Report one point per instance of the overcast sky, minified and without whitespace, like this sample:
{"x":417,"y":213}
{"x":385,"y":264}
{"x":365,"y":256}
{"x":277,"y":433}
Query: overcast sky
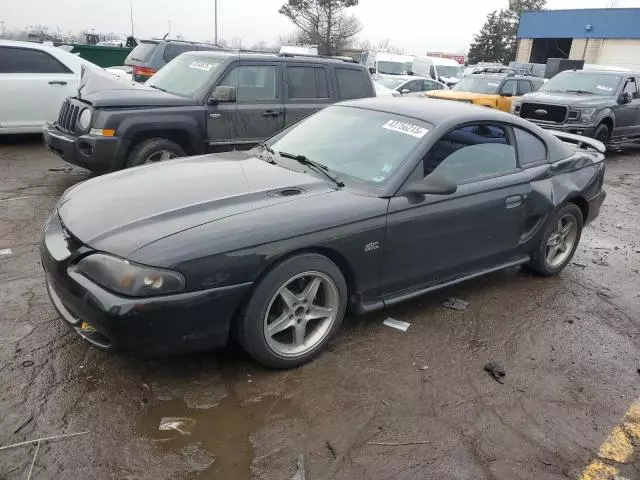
{"x":416,"y":26}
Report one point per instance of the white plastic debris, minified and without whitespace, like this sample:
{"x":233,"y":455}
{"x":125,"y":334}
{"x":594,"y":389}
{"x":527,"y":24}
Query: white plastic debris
{"x":455,"y":303}
{"x":397,"y":324}
{"x":184,"y":425}
{"x":5,"y":251}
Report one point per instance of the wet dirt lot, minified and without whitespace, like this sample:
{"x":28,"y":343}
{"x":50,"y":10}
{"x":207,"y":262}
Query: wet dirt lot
{"x":379,"y":404}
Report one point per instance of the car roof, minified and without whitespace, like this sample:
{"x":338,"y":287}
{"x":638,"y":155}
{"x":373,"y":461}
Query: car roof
{"x":18,"y":43}
{"x":616,"y":73}
{"x":273,"y":57}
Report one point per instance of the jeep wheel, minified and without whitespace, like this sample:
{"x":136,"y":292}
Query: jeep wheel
{"x":602,"y":133}
{"x":154,"y":150}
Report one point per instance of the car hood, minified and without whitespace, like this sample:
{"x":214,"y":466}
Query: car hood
{"x":459,"y":95}
{"x":103,"y":89}
{"x":124,"y":211}
{"x":576,"y":99}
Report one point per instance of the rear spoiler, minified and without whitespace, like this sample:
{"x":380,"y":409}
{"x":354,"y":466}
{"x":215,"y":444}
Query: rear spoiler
{"x":579,"y":140}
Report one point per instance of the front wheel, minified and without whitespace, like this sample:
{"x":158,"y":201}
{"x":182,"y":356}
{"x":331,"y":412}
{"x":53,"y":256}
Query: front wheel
{"x":558,"y":241}
{"x":154,"y":150}
{"x":602,"y":133}
{"x":294,"y":311}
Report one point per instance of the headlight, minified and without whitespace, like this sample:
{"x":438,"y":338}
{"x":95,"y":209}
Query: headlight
{"x":84,"y":119}
{"x":127,"y":278}
{"x":586,"y":113}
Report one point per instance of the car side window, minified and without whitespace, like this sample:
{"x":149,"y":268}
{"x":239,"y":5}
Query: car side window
{"x":27,"y":60}
{"x":428,"y":85}
{"x":413,"y":86}
{"x":306,"y":82}
{"x":509,"y":87}
{"x":470,"y":153}
{"x":631,"y":87}
{"x":531,"y":149}
{"x":172,"y":50}
{"x":350,"y":83}
{"x":524,"y":86}
{"x":253,"y":82}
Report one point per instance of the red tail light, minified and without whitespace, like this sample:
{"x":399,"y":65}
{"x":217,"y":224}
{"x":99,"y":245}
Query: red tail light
{"x":143,"y":71}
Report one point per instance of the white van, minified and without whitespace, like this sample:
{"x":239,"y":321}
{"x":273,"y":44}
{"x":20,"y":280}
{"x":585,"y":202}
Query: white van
{"x":380,"y":63}
{"x":444,"y":70}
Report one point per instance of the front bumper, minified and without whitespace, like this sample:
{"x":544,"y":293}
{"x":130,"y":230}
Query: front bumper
{"x":98,"y":154}
{"x":167,"y":324}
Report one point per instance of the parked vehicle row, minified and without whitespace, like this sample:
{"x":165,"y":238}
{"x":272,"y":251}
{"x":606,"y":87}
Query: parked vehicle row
{"x":199,"y":102}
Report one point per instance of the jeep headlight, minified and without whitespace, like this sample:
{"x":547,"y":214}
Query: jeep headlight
{"x":84,"y":119}
{"x":128,"y":278}
{"x":586,"y":114}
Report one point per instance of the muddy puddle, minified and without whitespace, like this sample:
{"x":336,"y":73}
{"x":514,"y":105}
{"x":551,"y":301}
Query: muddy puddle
{"x":219,"y":445}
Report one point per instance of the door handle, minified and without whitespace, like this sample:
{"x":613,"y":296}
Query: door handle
{"x":270,"y":113}
{"x":514,"y":201}
{"x":58,"y":82}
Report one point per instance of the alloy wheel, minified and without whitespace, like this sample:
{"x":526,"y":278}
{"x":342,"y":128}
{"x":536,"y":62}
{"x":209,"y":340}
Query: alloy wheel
{"x":561,"y":240}
{"x":301,"y":314}
{"x":159,"y":156}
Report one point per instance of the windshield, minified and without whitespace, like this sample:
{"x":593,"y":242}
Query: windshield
{"x":449,"y":71}
{"x":391,"y":82}
{"x":141,"y":53}
{"x":592,"y":83}
{"x":392,"y":68}
{"x":478,"y":85}
{"x":357,"y":144}
{"x":185,"y":75}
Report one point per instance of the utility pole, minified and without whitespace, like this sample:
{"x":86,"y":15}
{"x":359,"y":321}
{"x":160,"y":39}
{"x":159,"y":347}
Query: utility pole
{"x":131,"y":15}
{"x":3,"y":30}
{"x":169,"y":34}
{"x":215,"y":11}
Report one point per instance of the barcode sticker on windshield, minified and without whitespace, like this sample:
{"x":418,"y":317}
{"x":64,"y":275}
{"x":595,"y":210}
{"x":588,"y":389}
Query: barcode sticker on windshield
{"x":406,"y":128}
{"x":201,"y":66}
{"x":493,"y":84}
{"x":602,"y":87}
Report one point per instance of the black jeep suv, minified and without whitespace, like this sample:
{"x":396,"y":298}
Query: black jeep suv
{"x":604,"y":105}
{"x":199,"y":102}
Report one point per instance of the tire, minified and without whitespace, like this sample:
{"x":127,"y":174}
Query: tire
{"x":602,"y":133}
{"x":152,"y":150}
{"x":542,"y":262}
{"x":267,"y":310}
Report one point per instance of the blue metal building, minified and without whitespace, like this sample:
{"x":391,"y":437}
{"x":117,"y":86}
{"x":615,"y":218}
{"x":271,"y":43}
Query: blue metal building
{"x":608,"y":37}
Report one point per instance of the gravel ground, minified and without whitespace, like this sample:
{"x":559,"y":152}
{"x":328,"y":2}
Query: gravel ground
{"x":379,"y":404}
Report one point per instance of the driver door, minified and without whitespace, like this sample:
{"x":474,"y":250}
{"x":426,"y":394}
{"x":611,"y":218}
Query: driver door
{"x":628,"y":114}
{"x":258,"y":110}
{"x":432,"y":238}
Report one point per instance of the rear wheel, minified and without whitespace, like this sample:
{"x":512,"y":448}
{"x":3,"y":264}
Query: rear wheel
{"x":558,"y":242}
{"x":294,"y":311}
{"x":602,"y":133}
{"x":154,"y":150}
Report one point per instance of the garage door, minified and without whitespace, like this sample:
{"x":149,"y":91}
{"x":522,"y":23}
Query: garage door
{"x":620,"y":53}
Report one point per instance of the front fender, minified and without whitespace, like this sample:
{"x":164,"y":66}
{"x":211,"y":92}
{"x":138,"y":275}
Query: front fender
{"x":606,"y":114}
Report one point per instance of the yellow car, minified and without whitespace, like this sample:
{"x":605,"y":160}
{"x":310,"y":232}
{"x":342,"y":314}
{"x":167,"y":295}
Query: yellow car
{"x":488,"y":89}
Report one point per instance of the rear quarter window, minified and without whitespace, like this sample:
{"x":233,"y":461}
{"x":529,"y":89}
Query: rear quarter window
{"x":142,"y":52}
{"x":531,"y":149}
{"x":351,"y":83}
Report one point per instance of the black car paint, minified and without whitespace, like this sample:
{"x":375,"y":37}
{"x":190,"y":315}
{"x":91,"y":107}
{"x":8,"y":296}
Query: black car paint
{"x":138,"y":112}
{"x":225,"y":231}
{"x":622,"y":119}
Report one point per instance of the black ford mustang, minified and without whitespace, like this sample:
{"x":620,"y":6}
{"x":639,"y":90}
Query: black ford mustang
{"x":362,"y":205}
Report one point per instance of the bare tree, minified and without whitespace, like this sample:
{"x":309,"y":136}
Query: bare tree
{"x":324,"y":23}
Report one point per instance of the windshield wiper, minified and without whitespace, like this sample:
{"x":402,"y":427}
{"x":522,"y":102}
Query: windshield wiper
{"x":580,"y":91}
{"x":318,"y":167}
{"x":158,"y":88}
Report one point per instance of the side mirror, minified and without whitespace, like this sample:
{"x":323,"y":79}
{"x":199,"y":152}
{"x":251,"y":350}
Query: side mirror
{"x":404,"y":91}
{"x":432,"y":184}
{"x":372,"y":70}
{"x":625,"y":98}
{"x":222,"y":94}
